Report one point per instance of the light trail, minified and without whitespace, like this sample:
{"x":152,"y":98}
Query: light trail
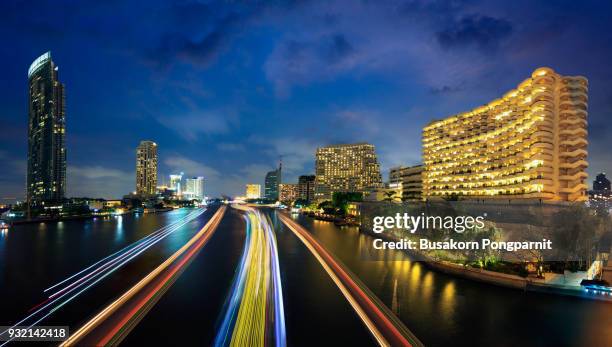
{"x":126,"y":248}
{"x":114,"y":322}
{"x":387,"y":329}
{"x":254,"y":314}
{"x":104,"y":269}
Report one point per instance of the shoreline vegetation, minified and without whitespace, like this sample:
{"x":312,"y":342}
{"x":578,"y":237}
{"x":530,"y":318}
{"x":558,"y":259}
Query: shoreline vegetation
{"x":576,"y":231}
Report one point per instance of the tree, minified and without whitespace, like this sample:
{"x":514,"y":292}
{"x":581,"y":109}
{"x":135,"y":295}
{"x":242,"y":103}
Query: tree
{"x":390,"y":195}
{"x":300,"y":203}
{"x":574,"y":234}
{"x":340,"y":200}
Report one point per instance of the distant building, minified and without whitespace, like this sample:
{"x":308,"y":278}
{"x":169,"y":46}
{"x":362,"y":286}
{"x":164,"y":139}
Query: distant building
{"x":529,"y":144}
{"x":194,"y":187}
{"x":601,"y":183}
{"x":146,"y":168}
{"x":46,"y":171}
{"x":273,"y":179}
{"x":600,"y":197}
{"x":391,"y":192}
{"x":346,"y":168}
{"x":409,"y":180}
{"x":253,"y":191}
{"x":288,"y":192}
{"x":306,"y":187}
{"x":175,"y":183}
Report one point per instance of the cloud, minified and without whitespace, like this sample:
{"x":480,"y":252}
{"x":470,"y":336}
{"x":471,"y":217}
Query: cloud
{"x":191,"y":126}
{"x":201,"y":32}
{"x":298,"y":154}
{"x":94,"y":172}
{"x":190,"y":167}
{"x":358,"y":123}
{"x":301,"y":61}
{"x":482,"y":32}
{"x":445,"y":89}
{"x":99,"y":182}
{"x":231,"y":147}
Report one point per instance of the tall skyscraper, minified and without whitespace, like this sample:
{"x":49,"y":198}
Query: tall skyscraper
{"x":271,"y":184}
{"x":253,"y":191}
{"x":195,"y":187}
{"x":529,"y":144}
{"x":306,"y":184}
{"x":146,"y":168}
{"x":46,"y":175}
{"x":346,"y":168}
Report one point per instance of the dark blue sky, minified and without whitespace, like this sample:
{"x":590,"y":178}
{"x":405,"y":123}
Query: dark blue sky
{"x":225,"y":88}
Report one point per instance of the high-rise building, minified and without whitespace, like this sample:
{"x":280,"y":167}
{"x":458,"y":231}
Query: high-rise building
{"x":194,"y":187}
{"x":530,"y":144}
{"x":273,"y":179}
{"x":146,"y":168}
{"x":601,"y":183}
{"x":253,"y":191}
{"x":46,"y":175}
{"x":346,"y":168}
{"x":409,"y":180}
{"x":601,"y":197}
{"x":288,"y":192}
{"x":306,"y":184}
{"x":175,"y":183}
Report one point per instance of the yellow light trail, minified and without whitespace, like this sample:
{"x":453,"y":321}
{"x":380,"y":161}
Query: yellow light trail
{"x":255,"y":314}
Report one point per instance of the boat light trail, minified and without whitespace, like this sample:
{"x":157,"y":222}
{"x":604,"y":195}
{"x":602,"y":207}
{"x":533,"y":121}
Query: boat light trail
{"x":145,"y":239}
{"x":99,"y":271}
{"x":387,"y":329}
{"x":114,"y":322}
{"x":254,"y":314}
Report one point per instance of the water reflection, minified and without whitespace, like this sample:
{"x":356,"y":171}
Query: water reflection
{"x":446,"y":310}
{"x":118,"y":228}
{"x":448,"y":301}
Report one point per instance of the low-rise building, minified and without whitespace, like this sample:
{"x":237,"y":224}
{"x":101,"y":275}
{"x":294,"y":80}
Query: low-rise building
{"x":410,"y":180}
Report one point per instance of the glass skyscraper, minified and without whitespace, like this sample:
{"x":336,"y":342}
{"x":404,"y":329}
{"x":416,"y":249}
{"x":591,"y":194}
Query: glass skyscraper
{"x":271,"y":184}
{"x":146,"y":168}
{"x":46,"y":176}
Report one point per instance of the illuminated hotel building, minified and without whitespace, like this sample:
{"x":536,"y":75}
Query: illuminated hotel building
{"x":346,"y":168}
{"x":288,"y":192}
{"x":46,"y":172}
{"x":146,"y":168}
{"x":253,"y":191}
{"x":530,"y":144}
{"x":194,"y":187}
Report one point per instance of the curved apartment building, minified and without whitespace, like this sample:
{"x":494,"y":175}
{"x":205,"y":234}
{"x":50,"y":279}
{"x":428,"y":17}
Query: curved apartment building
{"x":529,"y":144}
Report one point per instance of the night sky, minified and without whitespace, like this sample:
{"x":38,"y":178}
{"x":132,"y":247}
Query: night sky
{"x":226,"y":88}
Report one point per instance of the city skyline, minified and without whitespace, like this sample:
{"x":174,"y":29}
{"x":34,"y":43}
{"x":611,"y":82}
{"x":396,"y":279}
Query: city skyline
{"x":157,"y":100}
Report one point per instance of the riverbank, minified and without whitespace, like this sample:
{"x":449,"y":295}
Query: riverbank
{"x":502,"y":279}
{"x":82,"y":217}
